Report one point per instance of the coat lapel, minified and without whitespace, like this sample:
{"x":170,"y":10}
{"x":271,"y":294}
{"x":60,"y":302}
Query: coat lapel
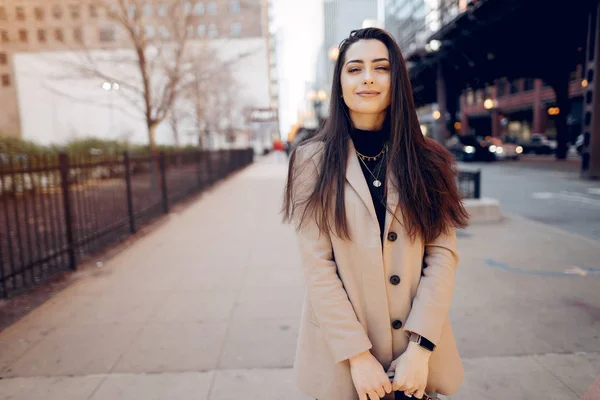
{"x":356,"y":179}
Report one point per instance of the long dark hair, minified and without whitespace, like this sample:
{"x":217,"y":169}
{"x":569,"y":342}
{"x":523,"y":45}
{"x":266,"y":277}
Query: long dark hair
{"x":422,"y":169}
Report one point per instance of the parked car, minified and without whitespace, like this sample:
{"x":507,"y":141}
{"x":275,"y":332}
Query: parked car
{"x":470,"y":148}
{"x":539,"y":144}
{"x":503,"y":150}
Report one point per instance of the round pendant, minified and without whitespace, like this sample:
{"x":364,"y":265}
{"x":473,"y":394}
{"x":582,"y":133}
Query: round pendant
{"x":376,"y":183}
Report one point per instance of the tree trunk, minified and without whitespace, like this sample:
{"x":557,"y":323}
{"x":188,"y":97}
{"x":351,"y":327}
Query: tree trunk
{"x":155,"y":168}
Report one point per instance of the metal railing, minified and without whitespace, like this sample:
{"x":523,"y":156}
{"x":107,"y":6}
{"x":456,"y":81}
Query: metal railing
{"x":57,"y":210}
{"x":469,"y":184}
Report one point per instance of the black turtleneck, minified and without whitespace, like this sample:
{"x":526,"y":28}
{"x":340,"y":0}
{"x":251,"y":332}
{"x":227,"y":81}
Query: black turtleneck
{"x":370,"y":143}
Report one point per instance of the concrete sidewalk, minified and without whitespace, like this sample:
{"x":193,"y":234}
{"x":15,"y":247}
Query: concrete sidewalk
{"x":207,"y":307}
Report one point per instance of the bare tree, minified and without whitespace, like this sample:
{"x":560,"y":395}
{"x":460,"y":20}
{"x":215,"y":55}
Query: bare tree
{"x":155,"y":56}
{"x":210,"y":85}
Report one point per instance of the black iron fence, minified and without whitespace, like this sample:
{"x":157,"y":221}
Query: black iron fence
{"x":57,"y":210}
{"x":469,"y":184}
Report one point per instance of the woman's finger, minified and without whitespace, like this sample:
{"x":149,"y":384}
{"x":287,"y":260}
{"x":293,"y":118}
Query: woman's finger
{"x":387,"y":386}
{"x":373,"y":395}
{"x":399,"y":382}
{"x":380,"y":392}
{"x":362,"y":396}
{"x":419,"y":393}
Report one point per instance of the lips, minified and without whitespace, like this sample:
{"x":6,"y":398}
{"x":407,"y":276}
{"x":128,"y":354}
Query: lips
{"x":368,"y":93}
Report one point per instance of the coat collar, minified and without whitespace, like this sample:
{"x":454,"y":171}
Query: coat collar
{"x":356,"y":179}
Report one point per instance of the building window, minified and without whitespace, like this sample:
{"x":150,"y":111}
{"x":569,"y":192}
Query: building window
{"x":500,"y":87}
{"x":20,"y":14}
{"x":4,"y":35}
{"x":132,"y":11}
{"x":478,"y":96}
{"x":74,"y":10}
{"x":57,"y":12}
{"x":528,"y":84}
{"x":573,"y":75}
{"x":164,"y":32}
{"x":514,"y":86}
{"x":149,"y":31}
{"x":199,"y":9}
{"x":5,"y":80}
{"x":212,"y":31}
{"x":39,"y":13}
{"x":187,"y":8}
{"x":41,"y":34}
{"x":58,"y":34}
{"x":236,"y":29}
{"x":3,"y":59}
{"x":212,"y":8}
{"x":190,"y":31}
{"x":148,"y":9}
{"x":107,"y":34}
{"x":201,"y":30}
{"x":2,"y":14}
{"x":78,"y":35}
{"x":487,"y":92}
{"x":23,"y":35}
{"x":162,"y":10}
{"x":93,"y":11}
{"x":235,"y":7}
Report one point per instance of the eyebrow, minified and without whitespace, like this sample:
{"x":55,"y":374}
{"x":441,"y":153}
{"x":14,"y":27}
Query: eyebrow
{"x":362,"y":62}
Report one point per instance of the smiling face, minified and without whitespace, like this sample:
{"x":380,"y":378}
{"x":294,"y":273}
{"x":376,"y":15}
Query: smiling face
{"x":366,"y":80}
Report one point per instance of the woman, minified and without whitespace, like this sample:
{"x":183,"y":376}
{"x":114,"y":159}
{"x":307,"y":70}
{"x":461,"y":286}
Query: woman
{"x":376,"y":209}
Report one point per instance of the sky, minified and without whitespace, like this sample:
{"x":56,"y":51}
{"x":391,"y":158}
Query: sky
{"x":300,"y":24}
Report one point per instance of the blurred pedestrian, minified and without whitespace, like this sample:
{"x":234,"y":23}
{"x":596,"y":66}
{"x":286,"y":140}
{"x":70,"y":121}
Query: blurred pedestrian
{"x":278,"y":148}
{"x":376,"y":209}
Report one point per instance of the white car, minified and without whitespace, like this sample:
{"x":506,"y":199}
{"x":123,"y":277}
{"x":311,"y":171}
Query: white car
{"x":504,"y":151}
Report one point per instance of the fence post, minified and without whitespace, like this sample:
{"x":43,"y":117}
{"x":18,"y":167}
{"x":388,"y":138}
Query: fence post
{"x":128,"y":192}
{"x":63,"y":165}
{"x":163,"y":181}
{"x":477,"y":184}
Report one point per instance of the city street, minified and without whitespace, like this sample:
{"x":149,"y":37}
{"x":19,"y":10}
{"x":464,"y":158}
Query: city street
{"x":545,"y":190}
{"x":207,"y":308}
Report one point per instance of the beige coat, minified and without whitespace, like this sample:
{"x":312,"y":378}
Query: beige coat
{"x":350,"y":303}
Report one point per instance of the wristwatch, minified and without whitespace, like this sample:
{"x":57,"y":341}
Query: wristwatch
{"x":421,"y":341}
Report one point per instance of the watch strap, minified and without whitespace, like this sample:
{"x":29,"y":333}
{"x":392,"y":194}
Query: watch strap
{"x":421,"y":341}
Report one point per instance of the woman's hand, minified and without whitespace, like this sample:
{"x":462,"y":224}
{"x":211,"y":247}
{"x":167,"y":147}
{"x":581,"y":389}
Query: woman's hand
{"x":369,"y":377}
{"x":411,"y":371}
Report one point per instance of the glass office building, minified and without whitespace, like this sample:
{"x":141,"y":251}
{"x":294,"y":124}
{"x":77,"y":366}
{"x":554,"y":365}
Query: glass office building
{"x":412,"y":22}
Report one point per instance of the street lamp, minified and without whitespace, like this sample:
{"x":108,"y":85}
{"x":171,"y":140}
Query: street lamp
{"x":322,"y":95}
{"x":110,"y":87}
{"x":488,"y":104}
{"x":334,"y":53}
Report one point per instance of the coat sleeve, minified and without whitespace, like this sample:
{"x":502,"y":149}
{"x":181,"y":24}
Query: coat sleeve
{"x":344,"y":334}
{"x":434,"y":294}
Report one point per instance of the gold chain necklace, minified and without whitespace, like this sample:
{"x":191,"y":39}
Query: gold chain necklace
{"x":367,"y":158}
{"x":376,"y":182}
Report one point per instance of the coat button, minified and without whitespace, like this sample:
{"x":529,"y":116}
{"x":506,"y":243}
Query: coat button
{"x":392,"y":236}
{"x":397,"y":324}
{"x":394,"y":279}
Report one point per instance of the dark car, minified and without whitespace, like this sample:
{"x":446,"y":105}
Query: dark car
{"x":539,"y":144}
{"x":470,"y":148}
